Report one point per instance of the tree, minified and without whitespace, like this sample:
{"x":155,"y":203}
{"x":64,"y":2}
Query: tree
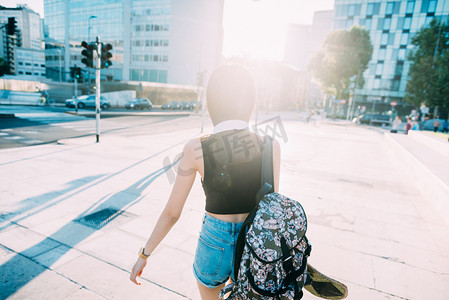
{"x":3,"y":67}
{"x":429,"y":73}
{"x":341,"y":61}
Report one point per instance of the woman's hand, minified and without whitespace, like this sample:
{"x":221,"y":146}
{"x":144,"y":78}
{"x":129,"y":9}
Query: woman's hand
{"x":137,"y":270}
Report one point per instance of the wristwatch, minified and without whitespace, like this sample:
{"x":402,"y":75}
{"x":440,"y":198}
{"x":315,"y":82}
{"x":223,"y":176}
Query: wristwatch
{"x":142,"y":253}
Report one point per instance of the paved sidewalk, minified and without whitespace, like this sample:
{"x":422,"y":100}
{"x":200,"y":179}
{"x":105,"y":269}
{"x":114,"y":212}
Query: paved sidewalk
{"x":369,"y":226}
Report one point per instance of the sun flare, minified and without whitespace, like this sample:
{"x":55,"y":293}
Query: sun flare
{"x":255,"y":28}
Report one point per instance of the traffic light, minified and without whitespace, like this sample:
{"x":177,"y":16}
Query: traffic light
{"x":88,"y":54}
{"x":78,"y":73}
{"x":106,"y":56}
{"x":75,"y":73}
{"x":11,"y":26}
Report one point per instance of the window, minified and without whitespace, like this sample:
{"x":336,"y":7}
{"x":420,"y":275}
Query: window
{"x":351,"y":10}
{"x":428,"y":6}
{"x":28,"y":73}
{"x":401,"y":54}
{"x":381,"y":55}
{"x":27,"y":64}
{"x":407,"y":23}
{"x":379,"y":69}
{"x":147,"y":27}
{"x":43,"y":66}
{"x":428,"y":20}
{"x":395,"y":85}
{"x":387,"y":23}
{"x":377,"y":83}
{"x":389,"y":10}
{"x":20,"y":72}
{"x":391,"y":39}
{"x":404,"y":39}
{"x":399,"y":68}
{"x":370,"y":9}
{"x":36,"y":65}
{"x":432,"y":6}
{"x":368,"y":23}
{"x":20,"y":63}
{"x":410,"y":7}
{"x":36,"y":74}
{"x":384,"y":39}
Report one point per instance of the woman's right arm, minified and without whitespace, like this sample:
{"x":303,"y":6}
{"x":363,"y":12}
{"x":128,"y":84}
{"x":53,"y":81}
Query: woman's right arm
{"x":172,"y":211}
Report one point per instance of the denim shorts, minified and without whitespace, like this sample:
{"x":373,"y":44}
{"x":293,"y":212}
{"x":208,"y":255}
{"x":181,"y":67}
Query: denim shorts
{"x":214,"y":257}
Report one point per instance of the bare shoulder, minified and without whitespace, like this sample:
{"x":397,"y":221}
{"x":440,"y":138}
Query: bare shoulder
{"x":192,"y":151}
{"x":192,"y":146}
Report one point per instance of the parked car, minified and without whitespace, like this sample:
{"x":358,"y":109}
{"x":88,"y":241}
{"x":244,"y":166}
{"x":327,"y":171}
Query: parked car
{"x":172,"y":105}
{"x":375,"y":119}
{"x":185,"y":105}
{"x":88,"y":102}
{"x":428,"y":124}
{"x":139,"y":103}
{"x":71,"y":102}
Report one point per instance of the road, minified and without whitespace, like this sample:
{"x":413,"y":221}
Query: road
{"x":22,"y":126}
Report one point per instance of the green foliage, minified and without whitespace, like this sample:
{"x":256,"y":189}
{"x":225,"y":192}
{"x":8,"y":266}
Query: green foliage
{"x":429,"y":73}
{"x":3,"y":67}
{"x":344,"y":56}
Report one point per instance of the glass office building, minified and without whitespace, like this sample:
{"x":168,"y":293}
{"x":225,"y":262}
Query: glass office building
{"x":391,"y":24}
{"x":166,"y":41}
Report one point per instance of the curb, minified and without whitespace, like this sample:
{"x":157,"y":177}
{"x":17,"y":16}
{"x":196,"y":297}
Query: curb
{"x":435,"y":190}
{"x":7,"y":116}
{"x":124,"y":114}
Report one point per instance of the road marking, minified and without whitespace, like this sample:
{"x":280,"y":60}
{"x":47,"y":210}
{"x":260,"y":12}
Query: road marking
{"x":13,"y":137}
{"x":3,"y":133}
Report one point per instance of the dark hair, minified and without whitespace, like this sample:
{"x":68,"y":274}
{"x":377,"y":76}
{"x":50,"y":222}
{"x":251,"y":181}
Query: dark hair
{"x":231,"y":93}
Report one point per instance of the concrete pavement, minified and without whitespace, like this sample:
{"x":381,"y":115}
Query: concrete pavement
{"x":74,"y":215}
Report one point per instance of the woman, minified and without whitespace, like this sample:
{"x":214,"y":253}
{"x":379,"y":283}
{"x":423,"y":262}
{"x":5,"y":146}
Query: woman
{"x":229,"y":165}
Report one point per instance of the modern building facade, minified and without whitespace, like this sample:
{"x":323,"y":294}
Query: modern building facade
{"x":391,"y":25}
{"x":166,"y":41}
{"x":30,"y":63}
{"x":26,"y":45}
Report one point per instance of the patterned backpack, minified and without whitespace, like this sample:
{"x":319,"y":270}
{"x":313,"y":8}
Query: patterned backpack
{"x":272,"y":249}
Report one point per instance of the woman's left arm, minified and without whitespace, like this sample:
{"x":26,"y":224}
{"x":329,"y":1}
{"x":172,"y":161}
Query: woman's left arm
{"x":172,"y":211}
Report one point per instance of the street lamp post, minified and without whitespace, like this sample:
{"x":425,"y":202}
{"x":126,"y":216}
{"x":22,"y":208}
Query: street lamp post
{"x":60,"y":73}
{"x":88,"y":41}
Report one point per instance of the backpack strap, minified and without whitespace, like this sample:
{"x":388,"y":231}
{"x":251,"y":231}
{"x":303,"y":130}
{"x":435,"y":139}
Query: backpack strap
{"x":267,"y":186}
{"x":240,"y":245}
{"x":267,"y":177}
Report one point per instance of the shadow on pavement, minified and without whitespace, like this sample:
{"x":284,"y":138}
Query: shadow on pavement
{"x":17,"y":271}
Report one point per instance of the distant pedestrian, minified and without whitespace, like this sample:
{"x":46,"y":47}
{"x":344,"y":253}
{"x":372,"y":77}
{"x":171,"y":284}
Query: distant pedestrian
{"x":415,"y":125}
{"x":436,"y":124}
{"x":409,"y":125}
{"x":396,"y":123}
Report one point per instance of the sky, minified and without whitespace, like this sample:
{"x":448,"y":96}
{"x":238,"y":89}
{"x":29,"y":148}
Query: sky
{"x":255,"y":28}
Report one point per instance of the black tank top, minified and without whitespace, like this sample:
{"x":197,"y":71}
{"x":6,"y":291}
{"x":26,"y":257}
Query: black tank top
{"x":232,"y":170}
